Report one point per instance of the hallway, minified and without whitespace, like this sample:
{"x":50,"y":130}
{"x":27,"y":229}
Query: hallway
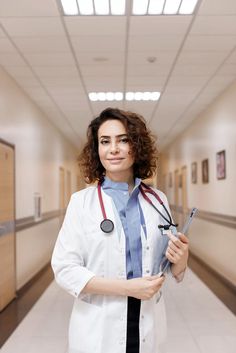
{"x":198,"y":322}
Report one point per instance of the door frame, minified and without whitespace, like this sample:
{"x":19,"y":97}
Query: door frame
{"x":6,"y":143}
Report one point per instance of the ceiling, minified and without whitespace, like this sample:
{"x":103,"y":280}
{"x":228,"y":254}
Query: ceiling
{"x":58,"y":60}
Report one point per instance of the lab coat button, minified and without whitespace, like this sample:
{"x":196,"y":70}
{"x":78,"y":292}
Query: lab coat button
{"x":142,"y":317}
{"x":144,"y":340}
{"x":147,"y":271}
{"x":147,"y":248}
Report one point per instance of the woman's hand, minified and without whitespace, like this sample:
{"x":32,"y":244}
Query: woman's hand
{"x":144,"y":288}
{"x":177,"y":252}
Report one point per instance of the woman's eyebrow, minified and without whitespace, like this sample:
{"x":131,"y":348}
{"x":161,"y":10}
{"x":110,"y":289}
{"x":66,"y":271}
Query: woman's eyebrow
{"x":122,"y":135}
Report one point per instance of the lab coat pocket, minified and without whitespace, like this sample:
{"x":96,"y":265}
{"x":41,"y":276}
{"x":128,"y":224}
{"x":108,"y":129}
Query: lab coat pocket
{"x":85,"y":318}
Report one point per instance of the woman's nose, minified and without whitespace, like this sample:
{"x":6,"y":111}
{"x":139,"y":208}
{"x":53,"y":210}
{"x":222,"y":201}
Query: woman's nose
{"x":114,"y":148}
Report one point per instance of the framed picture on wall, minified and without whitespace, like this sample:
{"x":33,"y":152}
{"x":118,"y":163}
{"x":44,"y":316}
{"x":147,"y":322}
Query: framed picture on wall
{"x":170,"y":180}
{"x":220,"y":165}
{"x":205,"y":171}
{"x":180,"y":181}
{"x":194,"y":172}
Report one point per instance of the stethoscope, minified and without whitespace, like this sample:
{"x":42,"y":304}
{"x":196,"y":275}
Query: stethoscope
{"x":107,"y":225}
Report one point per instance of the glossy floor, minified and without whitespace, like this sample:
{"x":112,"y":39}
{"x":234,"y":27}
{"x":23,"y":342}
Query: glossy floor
{"x":198,"y":322}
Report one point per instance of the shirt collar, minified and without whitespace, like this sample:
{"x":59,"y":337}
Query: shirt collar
{"x":109,"y":184}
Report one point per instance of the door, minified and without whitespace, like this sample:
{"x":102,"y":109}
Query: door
{"x":68,"y":186}
{"x":184,"y":190}
{"x":7,"y":228}
{"x":176,"y":187}
{"x":61,"y":194}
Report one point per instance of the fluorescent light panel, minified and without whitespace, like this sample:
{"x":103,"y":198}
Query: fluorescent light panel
{"x":85,"y":7}
{"x":117,"y":7}
{"x":163,"y":7}
{"x":70,"y":7}
{"x":171,"y":7}
{"x":156,"y":7}
{"x":187,"y":7}
{"x":101,"y":7}
{"x":118,"y":96}
{"x":139,"y":7}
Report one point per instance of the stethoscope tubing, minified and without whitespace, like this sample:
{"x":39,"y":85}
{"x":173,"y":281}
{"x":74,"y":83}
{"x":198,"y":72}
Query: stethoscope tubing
{"x":109,"y":226}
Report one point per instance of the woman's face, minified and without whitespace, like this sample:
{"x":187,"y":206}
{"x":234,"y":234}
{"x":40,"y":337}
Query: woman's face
{"x":114,"y":149}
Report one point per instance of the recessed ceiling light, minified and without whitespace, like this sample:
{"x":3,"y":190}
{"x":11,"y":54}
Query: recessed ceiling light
{"x":129,"y":96}
{"x":70,"y":7}
{"x":187,"y":7}
{"x":118,"y":7}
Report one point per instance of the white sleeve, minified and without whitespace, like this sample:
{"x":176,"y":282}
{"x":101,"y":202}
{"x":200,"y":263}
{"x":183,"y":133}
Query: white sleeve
{"x":68,"y":254}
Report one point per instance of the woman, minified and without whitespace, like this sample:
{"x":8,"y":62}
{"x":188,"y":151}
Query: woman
{"x":111,"y":245}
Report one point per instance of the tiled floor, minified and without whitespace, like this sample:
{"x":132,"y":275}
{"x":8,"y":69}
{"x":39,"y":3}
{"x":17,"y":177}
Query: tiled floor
{"x":198,"y":322}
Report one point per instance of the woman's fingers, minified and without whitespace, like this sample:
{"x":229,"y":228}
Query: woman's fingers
{"x":146,"y":287}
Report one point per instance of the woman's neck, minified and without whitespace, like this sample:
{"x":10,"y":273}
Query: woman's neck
{"x":122,"y":178}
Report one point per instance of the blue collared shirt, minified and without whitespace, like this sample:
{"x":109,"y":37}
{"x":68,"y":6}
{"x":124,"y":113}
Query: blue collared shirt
{"x":130,"y":213}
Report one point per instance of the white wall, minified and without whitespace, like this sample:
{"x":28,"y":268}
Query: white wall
{"x":40,"y":149}
{"x":214,"y":130}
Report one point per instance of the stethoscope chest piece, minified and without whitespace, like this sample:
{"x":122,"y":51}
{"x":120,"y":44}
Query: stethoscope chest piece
{"x":107,"y":226}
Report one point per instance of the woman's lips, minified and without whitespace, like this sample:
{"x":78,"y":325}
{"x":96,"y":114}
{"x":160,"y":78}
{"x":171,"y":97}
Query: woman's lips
{"x":115,"y":160}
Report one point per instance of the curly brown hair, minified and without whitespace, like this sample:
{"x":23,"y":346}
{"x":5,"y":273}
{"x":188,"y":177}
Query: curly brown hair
{"x":141,"y":140}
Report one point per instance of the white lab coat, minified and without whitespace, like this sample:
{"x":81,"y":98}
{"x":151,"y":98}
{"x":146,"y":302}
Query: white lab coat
{"x":98,"y":323}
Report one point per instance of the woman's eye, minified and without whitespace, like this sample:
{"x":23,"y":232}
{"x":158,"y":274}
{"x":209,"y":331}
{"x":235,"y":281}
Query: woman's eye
{"x":104,"y":142}
{"x":124,"y":140}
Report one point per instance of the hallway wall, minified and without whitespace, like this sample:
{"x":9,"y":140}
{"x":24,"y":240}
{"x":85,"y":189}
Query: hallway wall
{"x":40,"y":149}
{"x":213,"y":131}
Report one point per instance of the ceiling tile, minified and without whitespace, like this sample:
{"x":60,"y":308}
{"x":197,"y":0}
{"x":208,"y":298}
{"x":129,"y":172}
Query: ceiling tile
{"x":140,"y":81}
{"x":232,"y":58}
{"x":42,"y":44}
{"x":24,"y":8}
{"x":6,"y":46}
{"x":101,"y":70}
{"x":112,"y":83}
{"x":2,"y":34}
{"x":60,"y":72}
{"x":187,"y":81}
{"x":218,"y":7}
{"x":142,"y":58}
{"x":201,"y":58}
{"x":96,"y":25}
{"x":104,"y":43}
{"x":33,"y":27}
{"x":11,"y":59}
{"x":154,"y":25}
{"x":228,"y":69}
{"x":209,"y":43}
{"x":28,"y":82}
{"x":72,"y":82}
{"x":209,"y":25}
{"x":51,"y":59}
{"x":101,"y":57}
{"x":153,"y":44}
{"x":195,"y":70}
{"x":20,"y":71}
{"x":148,"y":70}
